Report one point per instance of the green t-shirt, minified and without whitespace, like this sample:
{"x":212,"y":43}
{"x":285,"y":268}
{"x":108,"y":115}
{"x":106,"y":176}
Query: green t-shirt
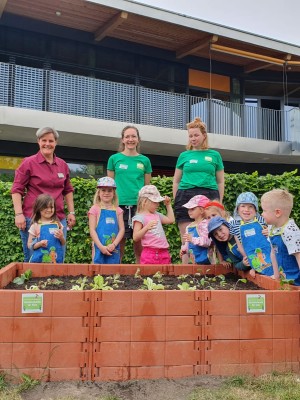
{"x":199,"y":168}
{"x":129,"y":175}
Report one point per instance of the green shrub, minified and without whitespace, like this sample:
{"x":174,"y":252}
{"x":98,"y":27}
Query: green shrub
{"x":79,"y":242}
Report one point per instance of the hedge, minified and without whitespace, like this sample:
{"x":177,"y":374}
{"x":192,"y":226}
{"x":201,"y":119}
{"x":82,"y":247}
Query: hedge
{"x":79,"y":242}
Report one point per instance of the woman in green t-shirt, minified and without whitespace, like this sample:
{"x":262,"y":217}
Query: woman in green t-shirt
{"x":199,"y":170}
{"x":131,"y":171}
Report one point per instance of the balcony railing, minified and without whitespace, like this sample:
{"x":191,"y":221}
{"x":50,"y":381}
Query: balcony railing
{"x":60,"y":92}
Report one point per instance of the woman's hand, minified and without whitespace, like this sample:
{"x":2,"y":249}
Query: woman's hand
{"x":20,"y":222}
{"x":71,"y":220}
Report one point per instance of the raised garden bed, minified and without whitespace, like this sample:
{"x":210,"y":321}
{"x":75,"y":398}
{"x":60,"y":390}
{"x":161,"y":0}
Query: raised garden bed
{"x":141,"y":334}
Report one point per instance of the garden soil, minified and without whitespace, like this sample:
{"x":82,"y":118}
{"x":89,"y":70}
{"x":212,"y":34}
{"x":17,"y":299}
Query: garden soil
{"x":160,"y":389}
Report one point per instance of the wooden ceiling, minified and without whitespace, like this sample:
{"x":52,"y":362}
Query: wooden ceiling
{"x":103,"y":21}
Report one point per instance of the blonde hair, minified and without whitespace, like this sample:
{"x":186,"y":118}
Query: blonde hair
{"x":279,"y":198}
{"x":218,"y":208}
{"x":97,"y":200}
{"x":142,"y":201}
{"x":198,"y":123}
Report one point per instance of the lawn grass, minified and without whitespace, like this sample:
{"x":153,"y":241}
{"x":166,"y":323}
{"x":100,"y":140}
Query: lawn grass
{"x":267,"y":387}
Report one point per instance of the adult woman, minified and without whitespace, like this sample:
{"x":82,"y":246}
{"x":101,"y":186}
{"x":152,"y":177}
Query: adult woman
{"x":199,"y":170}
{"x":37,"y":174}
{"x":131,"y":171}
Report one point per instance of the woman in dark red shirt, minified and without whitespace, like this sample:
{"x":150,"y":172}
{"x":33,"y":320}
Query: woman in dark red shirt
{"x":42,"y":173}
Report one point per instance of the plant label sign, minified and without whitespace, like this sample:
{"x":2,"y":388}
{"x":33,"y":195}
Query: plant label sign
{"x":256,"y":303}
{"x":32,"y":302}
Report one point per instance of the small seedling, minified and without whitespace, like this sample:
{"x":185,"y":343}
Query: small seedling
{"x":186,"y":286}
{"x":182,"y":277}
{"x":159,"y":276}
{"x":100,"y":284}
{"x":284,"y":283}
{"x":20,"y":280}
{"x":81,"y":283}
{"x":137,"y":274}
{"x":242,"y":280}
{"x":32,"y":287}
{"x":148,"y":284}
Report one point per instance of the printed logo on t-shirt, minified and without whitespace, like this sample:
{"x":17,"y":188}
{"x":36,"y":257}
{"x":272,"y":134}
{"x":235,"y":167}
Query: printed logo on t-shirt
{"x":249,"y":232}
{"x":193,"y":161}
{"x":207,"y":158}
{"x":123,"y":166}
{"x":60,"y":175}
{"x":109,"y":220}
{"x":140,"y":166}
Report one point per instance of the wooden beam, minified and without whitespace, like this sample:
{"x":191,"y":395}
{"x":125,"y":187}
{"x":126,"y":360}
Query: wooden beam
{"x":2,"y":6}
{"x":247,"y":54}
{"x":255,"y":66}
{"x":195,"y":46}
{"x":110,"y":25}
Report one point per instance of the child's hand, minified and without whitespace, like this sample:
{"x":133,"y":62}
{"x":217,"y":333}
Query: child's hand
{"x":187,"y":237}
{"x":226,"y":264}
{"x":252,"y":272}
{"x":182,"y":252}
{"x":246,"y":262}
{"x":167,"y":200}
{"x":151,"y":225}
{"x":265,"y":231}
{"x":59,"y":234}
{"x":43,"y":243}
{"x":104,"y":250}
{"x":276,"y":276}
{"x":111,"y":247}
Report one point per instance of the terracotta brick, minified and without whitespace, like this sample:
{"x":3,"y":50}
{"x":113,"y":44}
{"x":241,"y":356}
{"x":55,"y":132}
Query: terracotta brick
{"x":256,"y":327}
{"x":146,"y":372}
{"x":112,"y":354}
{"x":74,"y":328}
{"x":147,"y":354}
{"x":188,"y":330}
{"x":183,"y":303}
{"x":111,"y":374}
{"x":181,"y":353}
{"x":6,"y":351}
{"x":107,"y":332}
{"x":286,"y":326}
{"x":178,"y":371}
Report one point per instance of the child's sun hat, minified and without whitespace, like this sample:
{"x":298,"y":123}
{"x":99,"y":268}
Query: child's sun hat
{"x":196,"y":201}
{"x":245,"y":198}
{"x":106,"y":181}
{"x":215,"y":223}
{"x":151,"y":192}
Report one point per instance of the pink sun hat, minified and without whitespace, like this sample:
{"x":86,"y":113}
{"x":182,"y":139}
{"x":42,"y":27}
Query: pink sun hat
{"x":197,"y":201}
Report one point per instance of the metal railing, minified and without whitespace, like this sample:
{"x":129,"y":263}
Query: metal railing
{"x":60,"y":92}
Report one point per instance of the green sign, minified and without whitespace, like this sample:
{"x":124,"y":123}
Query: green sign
{"x":32,"y":302}
{"x":256,"y":303}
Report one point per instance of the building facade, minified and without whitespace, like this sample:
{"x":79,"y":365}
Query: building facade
{"x":88,"y":68}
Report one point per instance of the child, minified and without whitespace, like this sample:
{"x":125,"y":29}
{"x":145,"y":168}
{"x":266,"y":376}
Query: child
{"x":46,"y":238}
{"x":247,"y":228}
{"x":106,"y":223}
{"x":284,"y":233}
{"x":219,"y":231}
{"x":214,"y":208}
{"x":147,"y":226}
{"x":196,"y":237}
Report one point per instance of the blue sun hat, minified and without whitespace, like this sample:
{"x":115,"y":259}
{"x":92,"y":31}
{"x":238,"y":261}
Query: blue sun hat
{"x":106,"y":181}
{"x":215,"y":223}
{"x":245,"y":198}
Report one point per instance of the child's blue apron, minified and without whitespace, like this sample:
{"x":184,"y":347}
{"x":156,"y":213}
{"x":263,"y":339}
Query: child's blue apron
{"x":197,"y":254}
{"x":288,"y":262}
{"x":53,"y":253}
{"x":107,"y":230}
{"x":257,"y":247}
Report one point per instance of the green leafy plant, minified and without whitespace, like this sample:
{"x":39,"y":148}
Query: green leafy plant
{"x":20,"y":280}
{"x":27,"y":383}
{"x":3,"y":382}
{"x":284,"y":283}
{"x":148,"y":284}
{"x":158,"y":276}
{"x":114,"y":280}
{"x":100,"y":284}
{"x":241,"y":280}
{"x":186,"y":286}
{"x":80,"y":283}
{"x":137,"y":274}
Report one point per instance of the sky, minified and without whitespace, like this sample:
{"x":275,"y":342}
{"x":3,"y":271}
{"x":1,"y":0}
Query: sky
{"x":270,"y":18}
